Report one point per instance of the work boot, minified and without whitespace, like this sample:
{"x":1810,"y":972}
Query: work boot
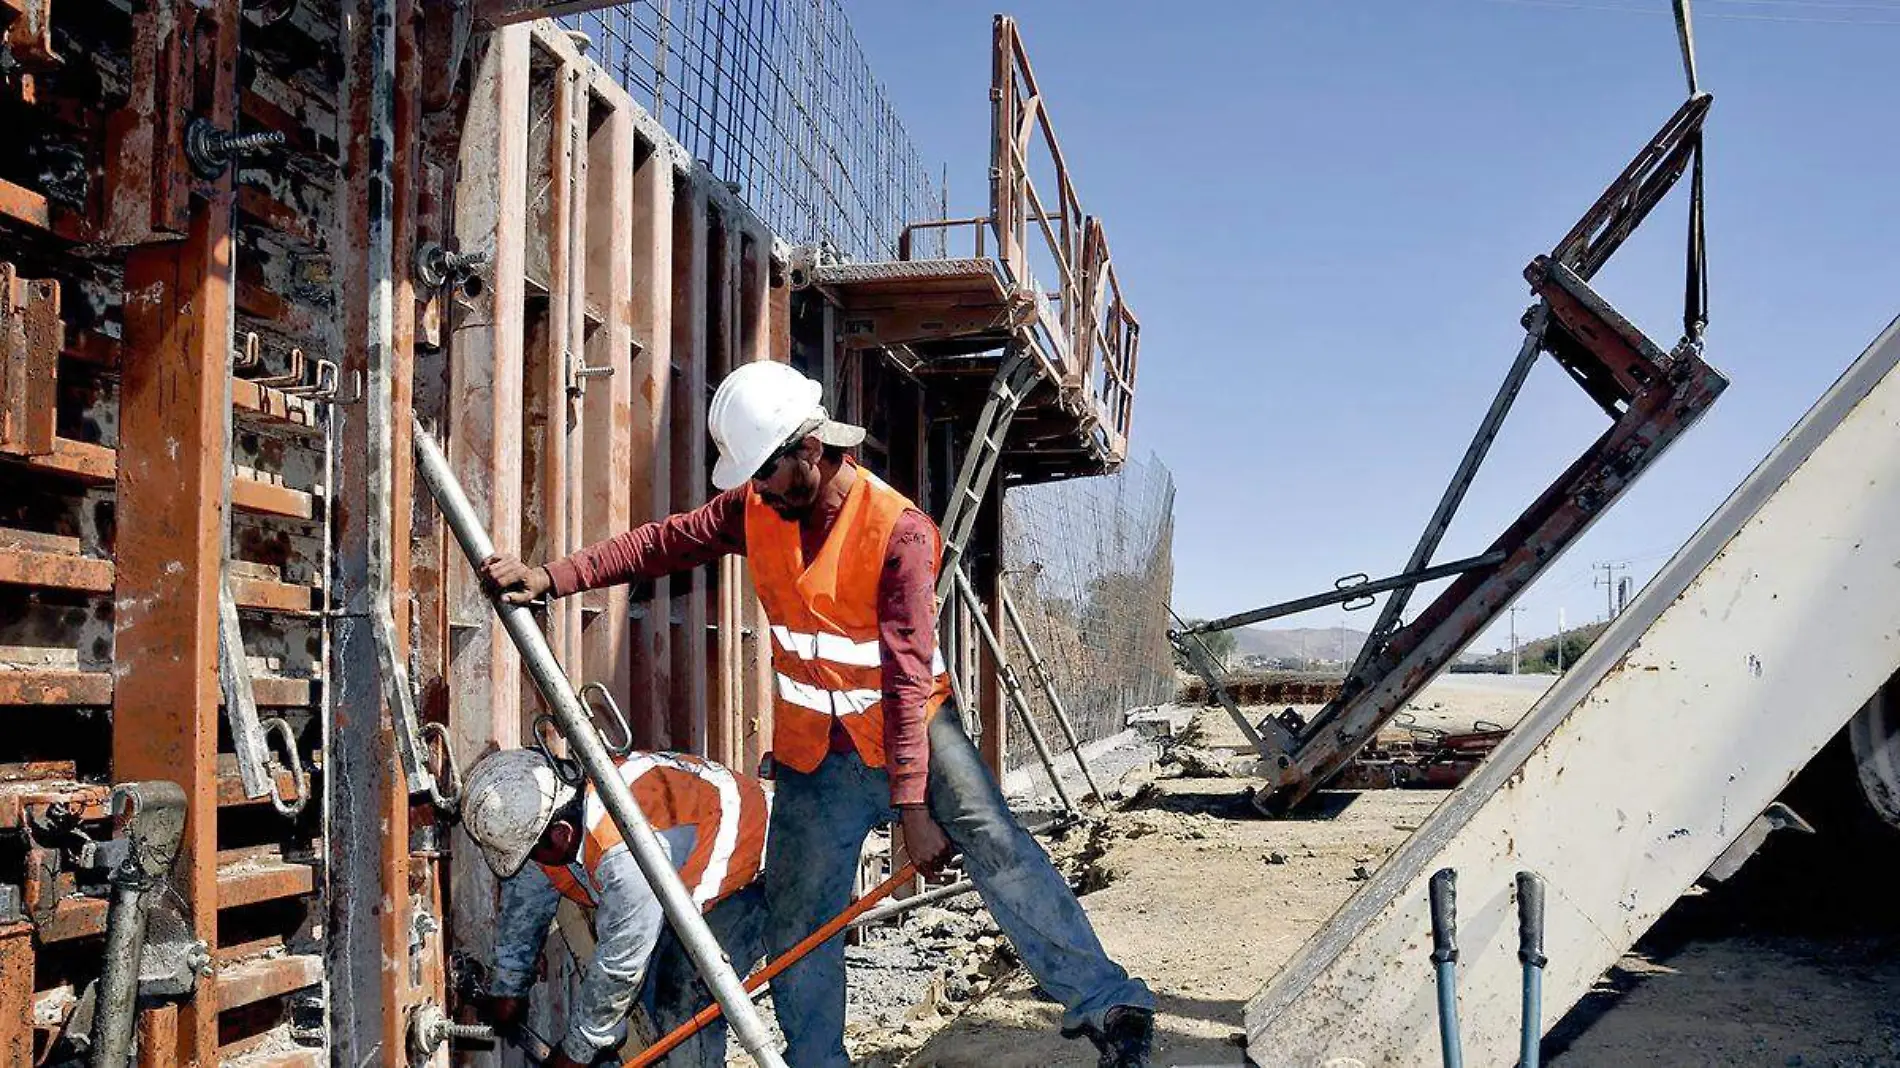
{"x":1125,"y":1038}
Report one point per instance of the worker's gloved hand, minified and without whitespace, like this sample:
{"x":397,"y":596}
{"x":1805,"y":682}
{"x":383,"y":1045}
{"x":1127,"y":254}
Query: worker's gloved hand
{"x":926,"y":843}
{"x":514,"y":581}
{"x":502,"y":1013}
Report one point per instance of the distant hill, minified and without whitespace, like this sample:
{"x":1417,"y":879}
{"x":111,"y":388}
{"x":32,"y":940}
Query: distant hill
{"x":1540,"y":655}
{"x":1298,"y":643}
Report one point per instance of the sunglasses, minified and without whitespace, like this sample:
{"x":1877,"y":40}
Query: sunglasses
{"x":766,"y":469}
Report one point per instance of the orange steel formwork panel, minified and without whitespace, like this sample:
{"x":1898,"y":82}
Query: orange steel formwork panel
{"x":189,"y":352}
{"x":624,"y":282}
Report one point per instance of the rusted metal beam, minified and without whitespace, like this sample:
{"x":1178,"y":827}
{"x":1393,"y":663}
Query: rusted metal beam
{"x":763,"y":333}
{"x":84,"y":688}
{"x":231,"y":788}
{"x":79,"y":460}
{"x":16,"y":993}
{"x":371,"y":762}
{"x":724,"y":726}
{"x":147,"y":184}
{"x":249,"y":880}
{"x":650,"y":489}
{"x":273,"y":405}
{"x":985,"y":555}
{"x":158,"y":1035}
{"x":270,"y":977}
{"x":249,"y":494}
{"x":171,"y":479}
{"x":607,"y":415}
{"x":29,"y":38}
{"x":73,"y":918}
{"x":1675,"y":394}
{"x":55,"y":571}
{"x":484,"y":431}
{"x":282,"y":692}
{"x":269,"y":596}
{"x":690,"y":692}
{"x":31,"y":337}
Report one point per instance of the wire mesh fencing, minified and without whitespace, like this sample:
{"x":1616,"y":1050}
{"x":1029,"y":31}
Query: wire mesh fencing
{"x":1089,"y":564}
{"x":777,"y":97}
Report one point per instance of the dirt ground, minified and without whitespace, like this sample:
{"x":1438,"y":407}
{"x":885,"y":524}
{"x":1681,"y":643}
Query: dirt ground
{"x":1204,"y":899}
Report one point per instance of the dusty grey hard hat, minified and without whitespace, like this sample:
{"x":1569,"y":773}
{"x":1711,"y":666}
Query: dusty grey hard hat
{"x":510,"y":799}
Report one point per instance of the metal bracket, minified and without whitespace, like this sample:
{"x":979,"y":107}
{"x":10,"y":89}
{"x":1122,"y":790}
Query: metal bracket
{"x":450,"y":802}
{"x":152,"y":815}
{"x":625,"y":748}
{"x":294,"y":762}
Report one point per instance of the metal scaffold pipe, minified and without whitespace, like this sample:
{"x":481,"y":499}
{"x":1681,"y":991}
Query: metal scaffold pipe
{"x":571,"y":718}
{"x":1040,"y":670}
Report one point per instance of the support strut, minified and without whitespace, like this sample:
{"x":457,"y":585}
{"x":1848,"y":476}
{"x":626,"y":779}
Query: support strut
{"x":572,"y":720}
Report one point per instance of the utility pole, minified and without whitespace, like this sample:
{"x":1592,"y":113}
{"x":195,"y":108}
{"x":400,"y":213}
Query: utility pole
{"x":1514,"y":611}
{"x":1560,"y":641}
{"x":1608,"y":582}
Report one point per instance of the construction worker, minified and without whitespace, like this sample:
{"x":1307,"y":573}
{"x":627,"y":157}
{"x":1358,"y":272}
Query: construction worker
{"x":518,"y":806}
{"x":863,"y":732}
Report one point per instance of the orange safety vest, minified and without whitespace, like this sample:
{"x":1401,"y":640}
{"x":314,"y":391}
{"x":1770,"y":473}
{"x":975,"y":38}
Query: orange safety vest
{"x":727,"y":811}
{"x":824,"y":623}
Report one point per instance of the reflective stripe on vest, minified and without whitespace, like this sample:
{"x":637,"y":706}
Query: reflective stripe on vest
{"x":840,"y":650}
{"x":729,"y":823}
{"x":826,"y":656}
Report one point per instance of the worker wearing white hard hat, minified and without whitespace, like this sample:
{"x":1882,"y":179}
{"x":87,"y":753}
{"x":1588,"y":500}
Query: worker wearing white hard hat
{"x":520,"y":805}
{"x":864,"y":732}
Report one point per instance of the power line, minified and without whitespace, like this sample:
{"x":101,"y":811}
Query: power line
{"x":1608,"y":582}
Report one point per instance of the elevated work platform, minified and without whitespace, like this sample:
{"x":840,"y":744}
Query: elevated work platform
{"x":1747,"y":652}
{"x":952,"y":322}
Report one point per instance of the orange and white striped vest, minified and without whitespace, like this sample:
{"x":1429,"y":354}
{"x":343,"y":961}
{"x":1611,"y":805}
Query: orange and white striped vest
{"x":823,"y":614}
{"x":727,"y":811}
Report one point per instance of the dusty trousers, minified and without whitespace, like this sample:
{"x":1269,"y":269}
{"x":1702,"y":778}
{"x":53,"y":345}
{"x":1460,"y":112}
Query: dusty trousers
{"x":819,"y":822}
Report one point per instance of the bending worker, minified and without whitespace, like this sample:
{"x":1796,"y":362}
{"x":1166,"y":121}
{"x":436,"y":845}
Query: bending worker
{"x":518,"y":808}
{"x":863,"y":732}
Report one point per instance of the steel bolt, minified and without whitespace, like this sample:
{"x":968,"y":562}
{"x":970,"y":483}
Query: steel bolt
{"x":437,"y":267}
{"x":468,"y":1032}
{"x":211,"y":150}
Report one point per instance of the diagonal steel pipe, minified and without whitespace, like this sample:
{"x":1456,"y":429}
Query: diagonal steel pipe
{"x":571,"y":718}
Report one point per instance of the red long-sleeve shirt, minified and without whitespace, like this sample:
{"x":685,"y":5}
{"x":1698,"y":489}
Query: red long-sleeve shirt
{"x":906,"y":608}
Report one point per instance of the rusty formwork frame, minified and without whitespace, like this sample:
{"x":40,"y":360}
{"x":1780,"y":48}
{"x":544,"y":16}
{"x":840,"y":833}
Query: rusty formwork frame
{"x":608,"y":249}
{"x":623,"y":282}
{"x":155,"y":451}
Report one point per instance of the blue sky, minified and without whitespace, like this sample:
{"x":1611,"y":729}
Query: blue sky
{"x":1320,"y":210}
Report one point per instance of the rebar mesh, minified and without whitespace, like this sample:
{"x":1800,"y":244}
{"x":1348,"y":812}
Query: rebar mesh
{"x":776,"y":96}
{"x":1090,"y":565}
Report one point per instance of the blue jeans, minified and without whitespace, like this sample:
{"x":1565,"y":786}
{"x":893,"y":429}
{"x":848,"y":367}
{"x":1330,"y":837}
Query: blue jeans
{"x":819,"y":821}
{"x":674,"y":992}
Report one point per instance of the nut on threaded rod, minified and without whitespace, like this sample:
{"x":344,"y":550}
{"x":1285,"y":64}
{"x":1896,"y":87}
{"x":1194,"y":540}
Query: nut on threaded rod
{"x":437,"y":267}
{"x":430,"y":1028}
{"x":210,"y":150}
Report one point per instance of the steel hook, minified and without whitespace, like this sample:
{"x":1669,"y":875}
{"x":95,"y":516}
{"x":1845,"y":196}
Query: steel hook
{"x":625,"y":748}
{"x":279,"y":726}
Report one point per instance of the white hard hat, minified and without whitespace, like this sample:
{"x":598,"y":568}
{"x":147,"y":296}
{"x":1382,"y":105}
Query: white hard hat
{"x":755,"y":412}
{"x":510,"y":799}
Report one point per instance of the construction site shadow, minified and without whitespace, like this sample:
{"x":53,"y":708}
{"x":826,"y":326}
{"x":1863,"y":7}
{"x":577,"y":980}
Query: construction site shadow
{"x":1837,"y":885}
{"x":1013,"y":1039}
{"x":1230,"y":799}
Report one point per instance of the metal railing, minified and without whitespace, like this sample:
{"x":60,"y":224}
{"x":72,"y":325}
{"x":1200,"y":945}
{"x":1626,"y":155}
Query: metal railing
{"x":1085,"y":327}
